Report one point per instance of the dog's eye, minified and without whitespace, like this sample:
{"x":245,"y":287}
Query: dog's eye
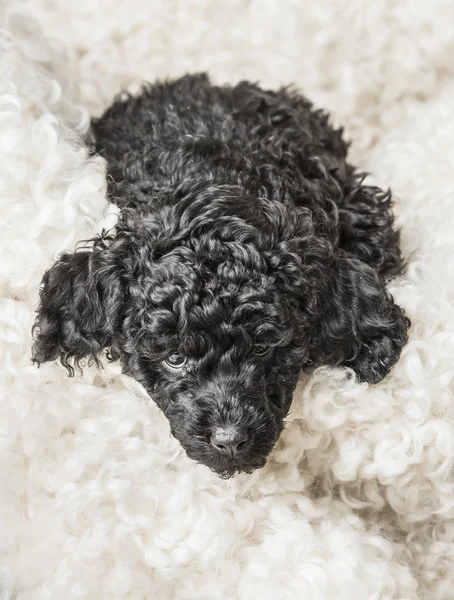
{"x":175,"y":361}
{"x":260,"y":350}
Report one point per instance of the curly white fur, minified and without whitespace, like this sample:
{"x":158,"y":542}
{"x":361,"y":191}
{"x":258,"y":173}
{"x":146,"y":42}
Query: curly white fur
{"x":98,"y":501}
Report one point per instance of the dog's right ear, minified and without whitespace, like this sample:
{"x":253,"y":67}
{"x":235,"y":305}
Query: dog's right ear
{"x":79,"y":308}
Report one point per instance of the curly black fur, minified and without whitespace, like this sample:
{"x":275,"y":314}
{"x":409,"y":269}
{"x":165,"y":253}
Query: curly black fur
{"x":241,"y":224}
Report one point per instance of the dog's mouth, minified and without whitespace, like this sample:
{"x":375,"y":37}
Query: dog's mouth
{"x":232,"y":467}
{"x":252,"y":459}
{"x":261,"y":427}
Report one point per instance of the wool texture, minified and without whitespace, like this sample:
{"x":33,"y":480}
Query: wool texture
{"x":98,"y":500}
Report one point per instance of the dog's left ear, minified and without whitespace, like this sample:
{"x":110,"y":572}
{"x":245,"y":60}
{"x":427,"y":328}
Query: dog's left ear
{"x":359,"y":325}
{"x":79,"y":306}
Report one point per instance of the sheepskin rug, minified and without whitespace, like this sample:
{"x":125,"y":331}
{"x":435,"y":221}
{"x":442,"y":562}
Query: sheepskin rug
{"x":97,"y":500}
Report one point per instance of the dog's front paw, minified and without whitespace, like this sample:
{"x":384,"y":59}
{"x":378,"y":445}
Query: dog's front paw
{"x":378,"y":356}
{"x":375,"y":361}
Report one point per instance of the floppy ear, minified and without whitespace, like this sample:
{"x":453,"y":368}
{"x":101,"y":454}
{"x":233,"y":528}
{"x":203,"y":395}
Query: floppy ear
{"x":359,"y":324}
{"x":78,"y":309}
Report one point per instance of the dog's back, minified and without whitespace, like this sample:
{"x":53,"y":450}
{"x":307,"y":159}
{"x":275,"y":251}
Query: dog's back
{"x":242,"y":135}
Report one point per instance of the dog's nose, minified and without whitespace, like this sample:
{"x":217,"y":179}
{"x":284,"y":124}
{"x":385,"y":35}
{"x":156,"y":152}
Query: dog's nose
{"x":229,"y":441}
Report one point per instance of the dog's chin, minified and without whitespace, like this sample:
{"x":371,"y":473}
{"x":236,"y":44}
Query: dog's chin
{"x":231,"y":468}
{"x":225,"y":467}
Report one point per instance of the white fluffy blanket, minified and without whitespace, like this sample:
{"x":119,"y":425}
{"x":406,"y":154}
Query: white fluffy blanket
{"x":97,"y":500}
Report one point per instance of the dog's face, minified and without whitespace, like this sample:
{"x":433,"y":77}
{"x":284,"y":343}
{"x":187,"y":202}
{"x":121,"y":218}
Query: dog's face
{"x":198,"y":298}
{"x":218,"y":346}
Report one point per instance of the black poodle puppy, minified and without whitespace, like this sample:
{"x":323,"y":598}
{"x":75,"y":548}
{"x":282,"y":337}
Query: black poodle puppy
{"x":247,"y":250}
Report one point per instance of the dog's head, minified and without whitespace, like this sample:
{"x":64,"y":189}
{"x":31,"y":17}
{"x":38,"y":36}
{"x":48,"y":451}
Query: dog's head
{"x":215,"y":344}
{"x":214,"y":302}
{"x":199,"y":296}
